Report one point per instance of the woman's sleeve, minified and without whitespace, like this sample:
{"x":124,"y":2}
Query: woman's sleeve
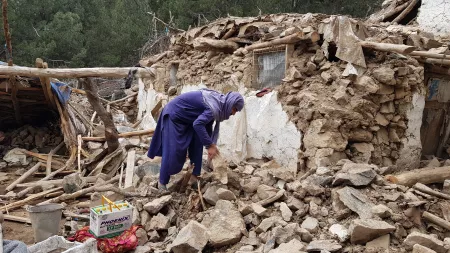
{"x":200,"y":127}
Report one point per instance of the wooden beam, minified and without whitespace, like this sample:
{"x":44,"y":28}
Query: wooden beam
{"x":436,"y":220}
{"x":24,"y":176}
{"x":75,"y":72}
{"x":387,"y":47}
{"x":45,"y":82}
{"x":426,"y":54}
{"x":290,"y":39}
{"x":122,"y":135}
{"x":206,"y":44}
{"x":435,"y":61}
{"x":16,"y":219}
{"x":424,"y":176}
{"x":28,"y":200}
{"x":405,"y":12}
{"x":129,"y":172}
{"x":438,"y":70}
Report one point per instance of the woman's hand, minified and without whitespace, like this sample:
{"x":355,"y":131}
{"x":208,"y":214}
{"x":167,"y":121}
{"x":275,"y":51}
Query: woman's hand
{"x":212,"y":151}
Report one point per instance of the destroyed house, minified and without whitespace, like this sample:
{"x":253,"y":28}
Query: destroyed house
{"x":340,"y":88}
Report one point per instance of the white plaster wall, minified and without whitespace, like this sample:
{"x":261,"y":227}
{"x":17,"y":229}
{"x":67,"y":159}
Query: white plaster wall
{"x":261,"y":129}
{"x":434,"y":16}
{"x":409,"y":155}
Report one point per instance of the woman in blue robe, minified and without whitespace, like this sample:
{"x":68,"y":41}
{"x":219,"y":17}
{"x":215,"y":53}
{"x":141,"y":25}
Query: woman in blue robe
{"x":185,"y":126}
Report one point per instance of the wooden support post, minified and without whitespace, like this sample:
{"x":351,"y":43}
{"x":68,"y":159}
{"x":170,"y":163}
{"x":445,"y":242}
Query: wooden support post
{"x":130,"y":169}
{"x":79,"y":153}
{"x":111,"y":134}
{"x":24,"y":176}
{"x":40,"y":64}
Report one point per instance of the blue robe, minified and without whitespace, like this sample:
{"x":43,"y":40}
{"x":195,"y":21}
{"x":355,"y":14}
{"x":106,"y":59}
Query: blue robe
{"x":184,"y":127}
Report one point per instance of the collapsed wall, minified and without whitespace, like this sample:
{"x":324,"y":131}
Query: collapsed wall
{"x":331,"y":109}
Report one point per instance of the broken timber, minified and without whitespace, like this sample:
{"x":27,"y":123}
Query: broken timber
{"x":121,"y":135}
{"x":290,"y":39}
{"x":75,"y":72}
{"x":424,"y":176}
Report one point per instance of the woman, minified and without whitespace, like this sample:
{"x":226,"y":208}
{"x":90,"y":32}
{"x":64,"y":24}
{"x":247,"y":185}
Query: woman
{"x":185,"y":126}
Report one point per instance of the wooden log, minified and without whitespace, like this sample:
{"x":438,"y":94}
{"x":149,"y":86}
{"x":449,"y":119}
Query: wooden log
{"x":111,"y":134}
{"x":436,"y":220}
{"x":405,"y":12}
{"x":75,"y":72}
{"x":41,"y":156}
{"x":129,"y":172}
{"x":424,"y":176}
{"x":55,"y":182}
{"x":24,"y":176}
{"x":389,"y":13}
{"x":45,"y":82}
{"x":428,"y":190}
{"x":430,"y":55}
{"x":435,"y":61}
{"x":291,"y":39}
{"x":438,"y":70}
{"x":123,"y":99}
{"x":48,"y":168}
{"x":122,"y":135}
{"x":80,"y":192}
{"x":16,"y":219}
{"x":206,"y":44}
{"x":28,"y":200}
{"x":387,"y":47}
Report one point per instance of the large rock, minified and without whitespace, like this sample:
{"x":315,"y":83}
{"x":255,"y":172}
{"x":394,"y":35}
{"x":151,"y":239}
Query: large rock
{"x":148,"y":168}
{"x":286,"y":213}
{"x":16,"y":157}
{"x":73,"y":183}
{"x":366,"y":230}
{"x":294,"y":246}
{"x":191,"y":239}
{"x":156,"y":205}
{"x":356,"y":201}
{"x":355,"y":174}
{"x":211,"y":195}
{"x":340,"y":232}
{"x":225,"y":224}
{"x":417,"y":248}
{"x":319,"y":245}
{"x":225,"y":194}
{"x":311,"y":224}
{"x":265,"y":191}
{"x":425,"y":240}
{"x":385,"y":75}
{"x":159,"y":222}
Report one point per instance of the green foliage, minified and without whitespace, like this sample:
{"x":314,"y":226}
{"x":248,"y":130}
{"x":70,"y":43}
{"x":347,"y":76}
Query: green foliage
{"x":86,"y":33}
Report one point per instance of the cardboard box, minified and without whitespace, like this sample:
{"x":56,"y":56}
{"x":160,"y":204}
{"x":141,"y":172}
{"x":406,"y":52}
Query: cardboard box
{"x":109,"y":219}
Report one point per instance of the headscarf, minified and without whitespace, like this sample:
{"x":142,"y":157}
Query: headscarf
{"x":221,"y":106}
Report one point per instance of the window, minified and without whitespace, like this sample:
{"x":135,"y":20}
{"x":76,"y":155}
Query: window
{"x":270,"y":67}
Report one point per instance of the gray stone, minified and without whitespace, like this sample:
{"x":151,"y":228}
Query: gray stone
{"x":145,"y":218}
{"x":244,"y":208}
{"x":286,"y":213}
{"x":319,"y":245}
{"x":425,"y":240}
{"x":385,"y":75}
{"x":355,"y":175}
{"x":251,"y":185}
{"x":366,"y":230}
{"x":267,"y":223}
{"x":380,"y":244}
{"x":340,"y":232}
{"x":356,"y":201}
{"x":73,"y":183}
{"x":149,"y":168}
{"x":294,"y":246}
{"x":141,"y":234}
{"x":191,"y":239}
{"x":94,"y":145}
{"x":295,"y":204}
{"x":225,"y":224}
{"x":156,"y":205}
{"x":417,"y":248}
{"x":252,"y":218}
{"x":225,"y":194}
{"x":311,"y":224}
{"x":265,"y":191}
{"x":211,"y":195}
{"x":248,"y":169}
{"x":142,"y":249}
{"x":16,"y":157}
{"x":136,"y":217}
{"x":159,"y":222}
{"x":382,"y":211}
{"x":259,"y":210}
{"x":153,"y":236}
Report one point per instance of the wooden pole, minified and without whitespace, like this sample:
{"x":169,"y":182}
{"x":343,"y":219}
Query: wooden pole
{"x":79,"y":153}
{"x":48,"y":168}
{"x":122,"y":135}
{"x":405,"y":12}
{"x":111,"y":134}
{"x":24,"y":176}
{"x":387,"y":47}
{"x":31,"y":198}
{"x":424,"y":176}
{"x":436,"y":220}
{"x":290,"y":39}
{"x":425,"y":189}
{"x":74,"y":72}
{"x":426,"y":54}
